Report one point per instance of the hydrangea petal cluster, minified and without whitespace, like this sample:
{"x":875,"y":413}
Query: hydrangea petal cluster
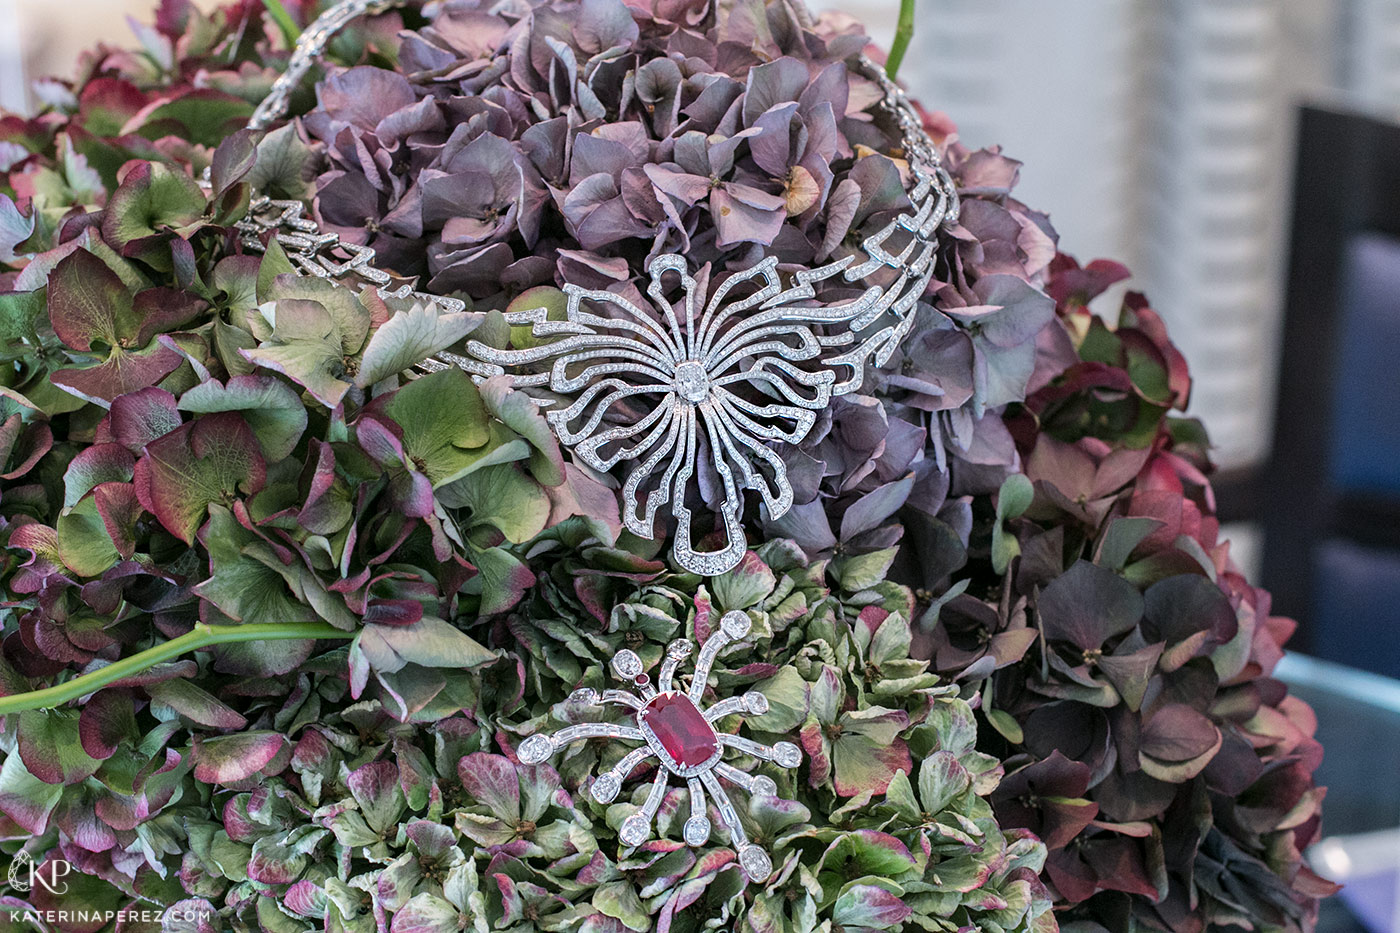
{"x":544,"y":144}
{"x":196,"y":440}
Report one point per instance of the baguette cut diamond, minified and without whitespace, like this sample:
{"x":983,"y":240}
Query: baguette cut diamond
{"x":681,"y":729}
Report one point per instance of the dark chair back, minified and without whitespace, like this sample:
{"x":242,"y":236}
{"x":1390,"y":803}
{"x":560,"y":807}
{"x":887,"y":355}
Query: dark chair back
{"x":1328,"y":500}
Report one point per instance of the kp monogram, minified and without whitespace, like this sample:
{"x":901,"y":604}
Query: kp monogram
{"x":25,"y":875}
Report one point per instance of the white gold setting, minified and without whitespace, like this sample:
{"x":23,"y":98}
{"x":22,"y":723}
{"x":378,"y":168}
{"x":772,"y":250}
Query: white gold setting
{"x":746,"y":374}
{"x":702,"y":779}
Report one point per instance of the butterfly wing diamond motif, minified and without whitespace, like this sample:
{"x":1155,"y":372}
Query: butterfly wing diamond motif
{"x":725,"y":376}
{"x":749,"y":375}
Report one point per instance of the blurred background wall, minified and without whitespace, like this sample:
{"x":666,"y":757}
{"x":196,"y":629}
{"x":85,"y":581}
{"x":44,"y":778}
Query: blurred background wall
{"x":1162,"y":133}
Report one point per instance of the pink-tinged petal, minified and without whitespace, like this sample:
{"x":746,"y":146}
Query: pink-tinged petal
{"x":746,"y":585}
{"x":231,"y":758}
{"x":120,"y":813}
{"x":274,"y":863}
{"x":505,"y":580}
{"x":432,"y":839}
{"x":202,"y":910}
{"x":100,"y":463}
{"x":22,"y":446}
{"x":877,"y":723}
{"x":273,"y":409}
{"x":512,"y":904}
{"x":597,"y":871}
{"x":771,"y":148}
{"x":593,"y":592}
{"x":365,"y":96}
{"x":313,"y":752}
{"x":540,"y":788}
{"x":412,"y":493}
{"x":1088,"y":605}
{"x":871,"y":618}
{"x":581,"y":494}
{"x":196,"y":705}
{"x":705,"y":618}
{"x":305,"y":899}
{"x":864,"y":907}
{"x":162,"y":310}
{"x":157,"y":673}
{"x":818,"y":753}
{"x":1177,"y":733}
{"x":25,"y":799}
{"x":119,"y":510}
{"x":773,"y":83}
{"x":1186,"y":605}
{"x":381,"y":439}
{"x":426,"y":913}
{"x":375,"y":787}
{"x":892,"y":856}
{"x":492,"y":780}
{"x":138,"y":418}
{"x":862,"y":764}
{"x":521,"y":414}
{"x":122,"y":372}
{"x":689,"y":189}
{"x":681,"y":898}
{"x":88,"y":302}
{"x":393,"y":611}
{"x":207,"y":461}
{"x":50,"y":747}
{"x":108,"y":718}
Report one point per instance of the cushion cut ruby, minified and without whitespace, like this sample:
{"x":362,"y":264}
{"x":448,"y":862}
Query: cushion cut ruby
{"x":681,"y":729}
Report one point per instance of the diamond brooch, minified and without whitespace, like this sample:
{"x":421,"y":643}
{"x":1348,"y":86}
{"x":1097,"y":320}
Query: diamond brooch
{"x":681,"y":737}
{"x":721,"y":377}
{"x":696,"y":397}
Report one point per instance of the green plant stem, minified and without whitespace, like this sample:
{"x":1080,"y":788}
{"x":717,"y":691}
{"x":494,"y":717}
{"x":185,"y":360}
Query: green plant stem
{"x":903,"y":32}
{"x":284,"y":21}
{"x":201,"y":636}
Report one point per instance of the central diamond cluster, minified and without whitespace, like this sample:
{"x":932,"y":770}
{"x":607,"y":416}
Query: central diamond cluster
{"x":692,"y":381}
{"x":681,"y":737}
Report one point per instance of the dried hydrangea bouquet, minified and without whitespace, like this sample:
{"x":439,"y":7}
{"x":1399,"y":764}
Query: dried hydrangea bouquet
{"x":599,"y":466}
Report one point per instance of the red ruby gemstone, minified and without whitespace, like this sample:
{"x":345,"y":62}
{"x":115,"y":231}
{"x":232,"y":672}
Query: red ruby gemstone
{"x":681,"y":729}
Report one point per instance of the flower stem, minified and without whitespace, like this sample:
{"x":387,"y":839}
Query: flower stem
{"x":201,"y":636}
{"x":284,"y":21}
{"x":903,"y":32}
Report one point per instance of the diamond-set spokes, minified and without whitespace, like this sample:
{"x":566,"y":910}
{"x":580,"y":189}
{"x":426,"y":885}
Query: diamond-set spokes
{"x":680,"y":736}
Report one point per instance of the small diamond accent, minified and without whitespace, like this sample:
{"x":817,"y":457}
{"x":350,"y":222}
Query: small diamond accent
{"x":535,"y":749}
{"x":627,"y":664}
{"x":605,"y":788}
{"x":755,"y":862}
{"x":697,"y":831}
{"x":755,"y":703}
